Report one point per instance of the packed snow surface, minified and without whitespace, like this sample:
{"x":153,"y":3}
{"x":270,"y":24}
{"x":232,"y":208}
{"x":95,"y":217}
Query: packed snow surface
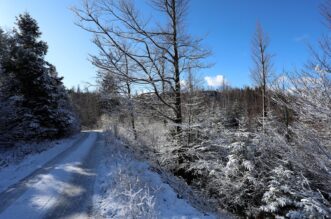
{"x":38,"y":194}
{"x":26,"y":158}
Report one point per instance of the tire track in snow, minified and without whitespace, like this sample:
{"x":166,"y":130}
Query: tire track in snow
{"x":80,"y":206}
{"x":10,"y":195}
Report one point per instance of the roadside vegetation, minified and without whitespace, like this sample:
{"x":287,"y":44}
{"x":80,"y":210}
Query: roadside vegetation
{"x":256,"y":152}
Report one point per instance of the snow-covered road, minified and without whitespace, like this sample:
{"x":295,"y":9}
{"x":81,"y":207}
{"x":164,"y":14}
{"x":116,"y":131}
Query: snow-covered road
{"x":59,"y":188}
{"x":89,"y":178}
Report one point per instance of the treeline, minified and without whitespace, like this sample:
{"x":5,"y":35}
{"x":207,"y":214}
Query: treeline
{"x":34,"y":104}
{"x":87,"y":105}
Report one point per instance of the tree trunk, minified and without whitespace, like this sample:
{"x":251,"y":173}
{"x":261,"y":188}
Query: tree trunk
{"x":133,"y":126}
{"x":177,"y":73}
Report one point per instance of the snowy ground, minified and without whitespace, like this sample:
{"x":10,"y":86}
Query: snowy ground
{"x":128,"y":188}
{"x":86,"y":178}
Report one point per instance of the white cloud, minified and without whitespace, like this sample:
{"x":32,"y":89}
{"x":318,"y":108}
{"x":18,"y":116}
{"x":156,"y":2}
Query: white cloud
{"x":216,"y":81}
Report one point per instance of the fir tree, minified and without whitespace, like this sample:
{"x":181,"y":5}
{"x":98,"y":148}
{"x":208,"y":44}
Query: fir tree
{"x":39,"y":99}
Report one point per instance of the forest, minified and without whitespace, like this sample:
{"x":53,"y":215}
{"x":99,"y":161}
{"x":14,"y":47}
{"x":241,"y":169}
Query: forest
{"x":262,"y":151}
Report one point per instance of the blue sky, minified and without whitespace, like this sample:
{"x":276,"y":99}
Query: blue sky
{"x":226,"y":25}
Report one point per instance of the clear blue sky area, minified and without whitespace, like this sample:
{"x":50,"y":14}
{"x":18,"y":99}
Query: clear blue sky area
{"x":226,"y":25}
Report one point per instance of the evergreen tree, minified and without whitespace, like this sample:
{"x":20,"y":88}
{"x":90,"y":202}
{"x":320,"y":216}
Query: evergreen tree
{"x":38,"y":102}
{"x":9,"y":110}
{"x":109,"y":93}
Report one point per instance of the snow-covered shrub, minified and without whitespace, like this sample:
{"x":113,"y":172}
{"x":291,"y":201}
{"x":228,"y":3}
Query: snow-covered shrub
{"x":263,"y":175}
{"x":257,"y":174}
{"x":290,"y":194}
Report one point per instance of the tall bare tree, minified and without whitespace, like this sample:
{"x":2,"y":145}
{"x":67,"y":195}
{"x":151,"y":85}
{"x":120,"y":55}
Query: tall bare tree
{"x":261,"y":71}
{"x":160,"y":51}
{"x":114,"y":64}
{"x":193,"y":106}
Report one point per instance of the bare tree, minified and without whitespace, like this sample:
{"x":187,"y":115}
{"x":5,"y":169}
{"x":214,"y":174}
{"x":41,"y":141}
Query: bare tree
{"x":193,"y":106}
{"x":261,"y":71}
{"x":312,"y":86}
{"x":160,"y":53}
{"x":114,"y":64}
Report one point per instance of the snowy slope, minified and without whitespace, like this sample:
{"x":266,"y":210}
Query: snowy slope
{"x":127,"y":188}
